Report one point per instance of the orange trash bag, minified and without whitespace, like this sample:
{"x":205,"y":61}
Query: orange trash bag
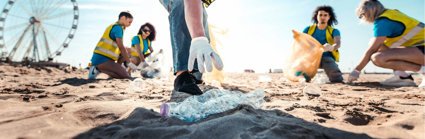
{"x":303,"y":59}
{"x":213,"y":31}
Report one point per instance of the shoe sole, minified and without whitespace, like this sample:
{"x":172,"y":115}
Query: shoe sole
{"x":92,"y":75}
{"x":399,"y":84}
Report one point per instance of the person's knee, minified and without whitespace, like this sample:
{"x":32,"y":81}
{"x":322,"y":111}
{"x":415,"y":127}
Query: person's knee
{"x":378,"y":59}
{"x":335,"y":76}
{"x":328,"y":60}
{"x":124,"y":75}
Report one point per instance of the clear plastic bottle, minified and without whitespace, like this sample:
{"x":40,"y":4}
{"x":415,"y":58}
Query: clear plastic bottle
{"x":213,"y":101}
{"x":136,"y":85}
{"x":312,"y":90}
{"x":321,"y":78}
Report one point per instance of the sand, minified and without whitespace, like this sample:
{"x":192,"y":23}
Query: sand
{"x":62,"y":103}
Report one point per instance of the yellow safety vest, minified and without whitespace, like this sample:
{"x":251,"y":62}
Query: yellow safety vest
{"x":207,"y":2}
{"x":108,"y":47}
{"x":413,"y":34}
{"x":134,"y":49}
{"x":329,"y":38}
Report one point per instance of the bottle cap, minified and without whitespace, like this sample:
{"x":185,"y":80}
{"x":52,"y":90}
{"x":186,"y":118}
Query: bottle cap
{"x":164,"y":110}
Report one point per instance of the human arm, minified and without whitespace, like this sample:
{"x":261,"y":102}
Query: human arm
{"x":141,"y":56}
{"x":194,"y":17}
{"x":150,"y":48}
{"x":337,"y":43}
{"x":123,"y":50}
{"x":140,"y":52}
{"x":374,"y":45}
{"x":200,"y":49}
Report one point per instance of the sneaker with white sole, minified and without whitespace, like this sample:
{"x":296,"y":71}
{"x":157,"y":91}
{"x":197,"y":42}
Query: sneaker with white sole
{"x":422,"y":85}
{"x":93,"y":72}
{"x":399,"y":81}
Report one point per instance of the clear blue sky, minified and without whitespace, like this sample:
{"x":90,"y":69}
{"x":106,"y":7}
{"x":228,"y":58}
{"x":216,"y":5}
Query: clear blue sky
{"x":259,"y":30}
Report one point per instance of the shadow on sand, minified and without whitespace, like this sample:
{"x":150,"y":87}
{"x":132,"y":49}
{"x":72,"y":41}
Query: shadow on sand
{"x":77,"y":81}
{"x":241,"y":122}
{"x":374,"y":85}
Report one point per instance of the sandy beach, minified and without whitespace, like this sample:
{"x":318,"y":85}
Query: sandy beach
{"x":62,"y":103}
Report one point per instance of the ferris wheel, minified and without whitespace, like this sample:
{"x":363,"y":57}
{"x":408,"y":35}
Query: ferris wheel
{"x":37,"y":30}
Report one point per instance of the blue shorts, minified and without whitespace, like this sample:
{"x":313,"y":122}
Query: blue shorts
{"x":98,"y":59}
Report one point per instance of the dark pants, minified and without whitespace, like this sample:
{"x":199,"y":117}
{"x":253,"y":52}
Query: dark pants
{"x":328,"y":63}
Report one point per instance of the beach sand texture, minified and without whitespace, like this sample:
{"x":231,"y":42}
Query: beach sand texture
{"x":62,"y":103}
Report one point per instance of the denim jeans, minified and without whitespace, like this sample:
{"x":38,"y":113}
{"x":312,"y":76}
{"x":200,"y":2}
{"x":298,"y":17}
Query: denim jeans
{"x":180,"y":36}
{"x":331,"y":68}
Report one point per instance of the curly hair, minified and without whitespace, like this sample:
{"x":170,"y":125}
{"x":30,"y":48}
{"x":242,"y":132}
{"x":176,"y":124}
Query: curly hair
{"x":328,"y":9}
{"x":152,"y":35}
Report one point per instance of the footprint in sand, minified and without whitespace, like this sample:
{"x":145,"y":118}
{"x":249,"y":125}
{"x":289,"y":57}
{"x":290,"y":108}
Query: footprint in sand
{"x":357,"y":118}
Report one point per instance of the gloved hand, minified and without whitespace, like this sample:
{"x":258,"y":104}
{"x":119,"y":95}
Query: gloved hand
{"x":328,"y":47}
{"x":354,"y":75}
{"x":201,"y":50}
{"x":132,"y":66}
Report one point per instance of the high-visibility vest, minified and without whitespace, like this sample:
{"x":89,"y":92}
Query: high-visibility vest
{"x":207,"y":2}
{"x":134,"y":49}
{"x":329,"y":38}
{"x":108,"y":47}
{"x":413,"y":34}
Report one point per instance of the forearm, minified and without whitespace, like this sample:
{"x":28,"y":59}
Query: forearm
{"x":151,"y":49}
{"x":123,"y":50}
{"x":337,"y":42}
{"x":193,"y":15}
{"x":373,"y":48}
{"x":365,"y":60}
{"x":141,"y":56}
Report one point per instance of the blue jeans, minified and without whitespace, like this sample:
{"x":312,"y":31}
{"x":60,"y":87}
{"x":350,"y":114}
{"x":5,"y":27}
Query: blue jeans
{"x":331,"y":68}
{"x":180,"y":36}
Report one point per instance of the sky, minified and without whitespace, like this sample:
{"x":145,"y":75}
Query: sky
{"x":259,"y":31}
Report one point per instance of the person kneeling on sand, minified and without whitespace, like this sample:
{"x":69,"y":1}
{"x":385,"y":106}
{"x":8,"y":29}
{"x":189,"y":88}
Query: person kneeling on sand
{"x":398,"y":43}
{"x":190,"y":42}
{"x":141,"y":45}
{"x":111,"y":49}
{"x":322,"y":30}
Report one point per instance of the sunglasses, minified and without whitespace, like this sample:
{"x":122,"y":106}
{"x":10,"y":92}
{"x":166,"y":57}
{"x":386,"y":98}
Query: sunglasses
{"x":146,"y":31}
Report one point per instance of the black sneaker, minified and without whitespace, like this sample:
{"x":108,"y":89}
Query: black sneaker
{"x":185,"y":82}
{"x":197,"y":76}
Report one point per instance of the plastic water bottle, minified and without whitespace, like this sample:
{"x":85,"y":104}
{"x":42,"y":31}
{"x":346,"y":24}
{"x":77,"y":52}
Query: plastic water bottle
{"x":136,"y":85}
{"x":321,"y":78}
{"x":213,"y":101}
{"x":312,"y":90}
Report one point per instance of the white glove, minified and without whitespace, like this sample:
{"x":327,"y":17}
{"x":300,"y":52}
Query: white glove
{"x":132,"y":66}
{"x":328,"y":47}
{"x":354,"y":75}
{"x":201,"y":50}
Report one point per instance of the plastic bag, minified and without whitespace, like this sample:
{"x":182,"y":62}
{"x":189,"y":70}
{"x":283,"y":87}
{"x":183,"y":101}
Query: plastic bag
{"x":215,"y":74}
{"x":303,"y":59}
{"x":156,"y":66}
